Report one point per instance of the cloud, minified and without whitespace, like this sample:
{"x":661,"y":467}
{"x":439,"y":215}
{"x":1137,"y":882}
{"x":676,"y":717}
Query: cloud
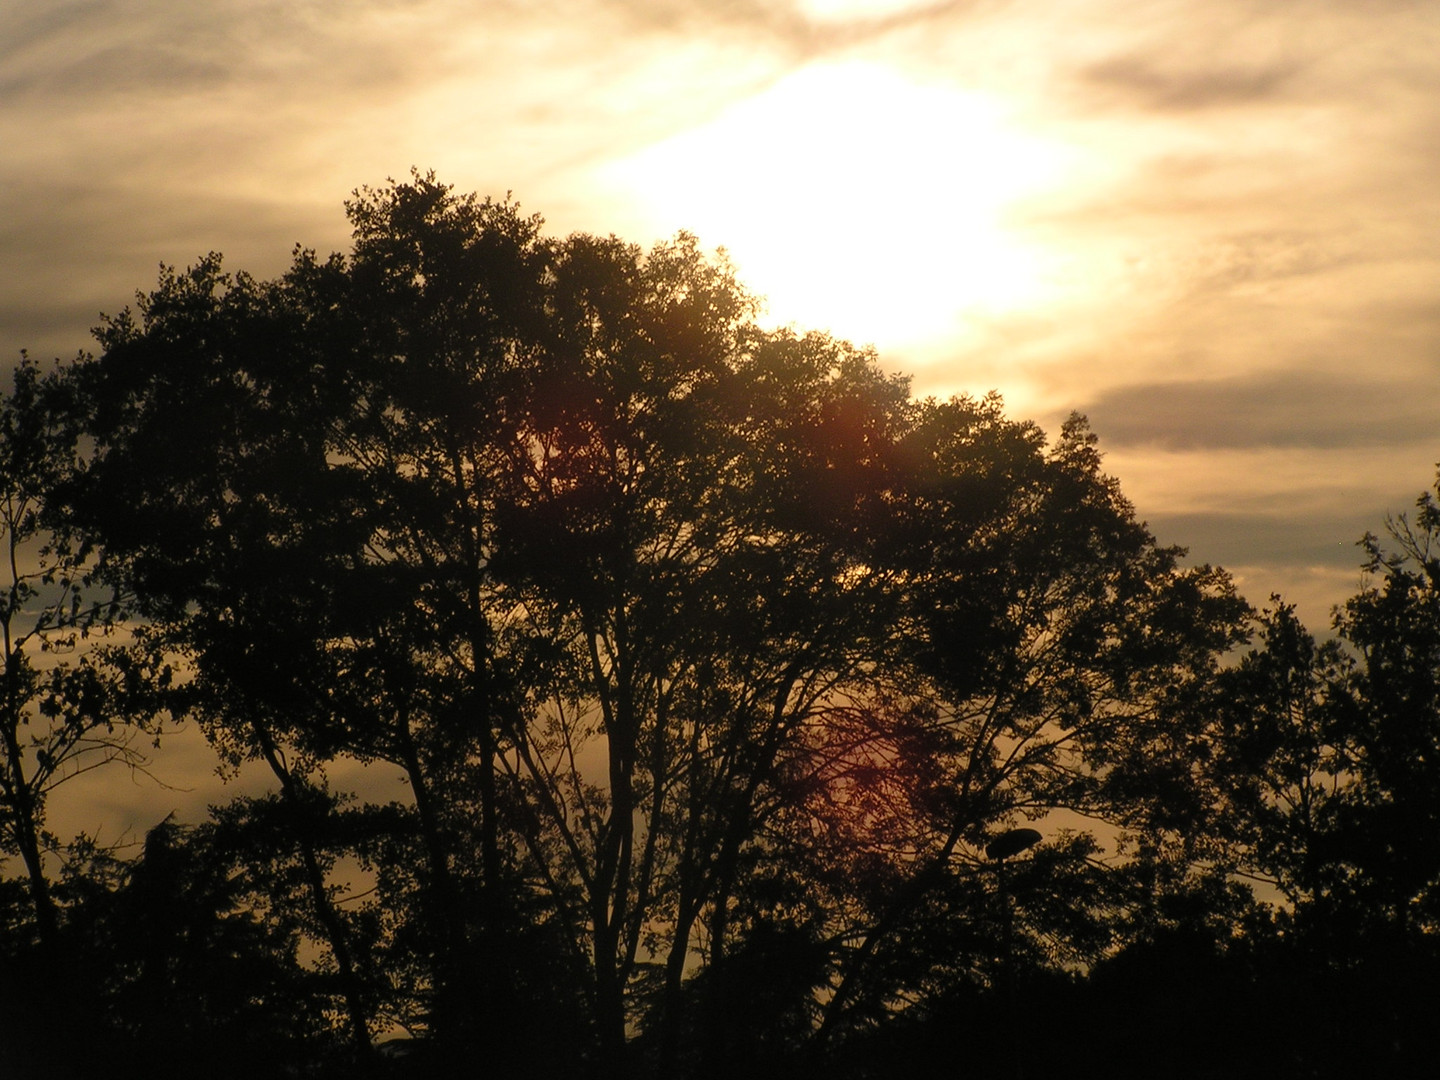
{"x":1251,"y":222}
{"x":66,"y":54}
{"x":1152,"y":85}
{"x":1285,"y":514}
{"x":1281,"y":519}
{"x":1282,"y":409}
{"x":137,"y":133}
{"x":806,"y":28}
{"x":94,"y":245}
{"x":1177,"y":57}
{"x":146,"y":132}
{"x":1245,"y":254}
{"x":1312,"y":561}
{"x":1267,"y":541}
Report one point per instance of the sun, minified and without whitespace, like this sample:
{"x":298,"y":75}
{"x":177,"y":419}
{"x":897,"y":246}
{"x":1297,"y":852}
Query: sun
{"x":858,"y":201}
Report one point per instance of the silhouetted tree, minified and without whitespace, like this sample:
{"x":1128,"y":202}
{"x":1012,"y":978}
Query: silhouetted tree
{"x":711,"y":658}
{"x":1306,"y":766}
{"x":1314,"y":764}
{"x":1276,"y":770}
{"x":1046,"y":629}
{"x":195,"y":965}
{"x":76,"y":694}
{"x":1387,"y":728}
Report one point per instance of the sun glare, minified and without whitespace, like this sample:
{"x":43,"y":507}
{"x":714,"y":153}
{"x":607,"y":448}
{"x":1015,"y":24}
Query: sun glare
{"x":858,"y":201}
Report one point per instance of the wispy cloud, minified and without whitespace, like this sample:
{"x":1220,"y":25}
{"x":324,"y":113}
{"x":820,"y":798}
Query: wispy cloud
{"x":1290,"y":409}
{"x":1241,"y":262}
{"x":1241,"y":268}
{"x":1143,"y":81}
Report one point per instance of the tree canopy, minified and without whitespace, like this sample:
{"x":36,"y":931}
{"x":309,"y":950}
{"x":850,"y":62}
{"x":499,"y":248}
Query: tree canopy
{"x":713,"y":661}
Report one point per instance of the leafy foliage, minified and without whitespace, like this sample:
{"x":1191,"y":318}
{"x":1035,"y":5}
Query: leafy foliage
{"x":711,"y":658}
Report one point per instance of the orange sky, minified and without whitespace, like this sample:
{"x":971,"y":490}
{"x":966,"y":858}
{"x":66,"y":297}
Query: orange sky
{"x":1212,"y":226}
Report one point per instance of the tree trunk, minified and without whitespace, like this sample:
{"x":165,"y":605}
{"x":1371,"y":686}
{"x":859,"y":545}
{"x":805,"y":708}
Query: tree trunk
{"x":350,"y":984}
{"x":26,"y":837}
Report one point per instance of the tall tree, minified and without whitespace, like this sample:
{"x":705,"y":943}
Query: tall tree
{"x":695,"y":642}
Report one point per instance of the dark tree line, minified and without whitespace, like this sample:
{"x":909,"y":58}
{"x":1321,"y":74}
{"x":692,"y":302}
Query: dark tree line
{"x":712,"y":661}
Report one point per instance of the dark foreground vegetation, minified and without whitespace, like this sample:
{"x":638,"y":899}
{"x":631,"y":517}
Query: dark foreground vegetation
{"x":713,"y":661}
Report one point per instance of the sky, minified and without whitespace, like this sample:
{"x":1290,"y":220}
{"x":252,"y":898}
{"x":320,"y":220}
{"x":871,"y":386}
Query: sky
{"x":1209,"y":226}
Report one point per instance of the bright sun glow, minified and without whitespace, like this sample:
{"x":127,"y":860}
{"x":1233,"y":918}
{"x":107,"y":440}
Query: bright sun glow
{"x":858,"y":201}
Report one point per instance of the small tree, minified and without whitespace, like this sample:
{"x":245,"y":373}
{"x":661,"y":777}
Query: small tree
{"x":1316,"y":768}
{"x":1387,"y":729}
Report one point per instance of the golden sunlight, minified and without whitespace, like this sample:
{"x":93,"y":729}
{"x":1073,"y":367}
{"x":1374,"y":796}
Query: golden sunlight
{"x":859,"y":201}
{"x":858,"y":9}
